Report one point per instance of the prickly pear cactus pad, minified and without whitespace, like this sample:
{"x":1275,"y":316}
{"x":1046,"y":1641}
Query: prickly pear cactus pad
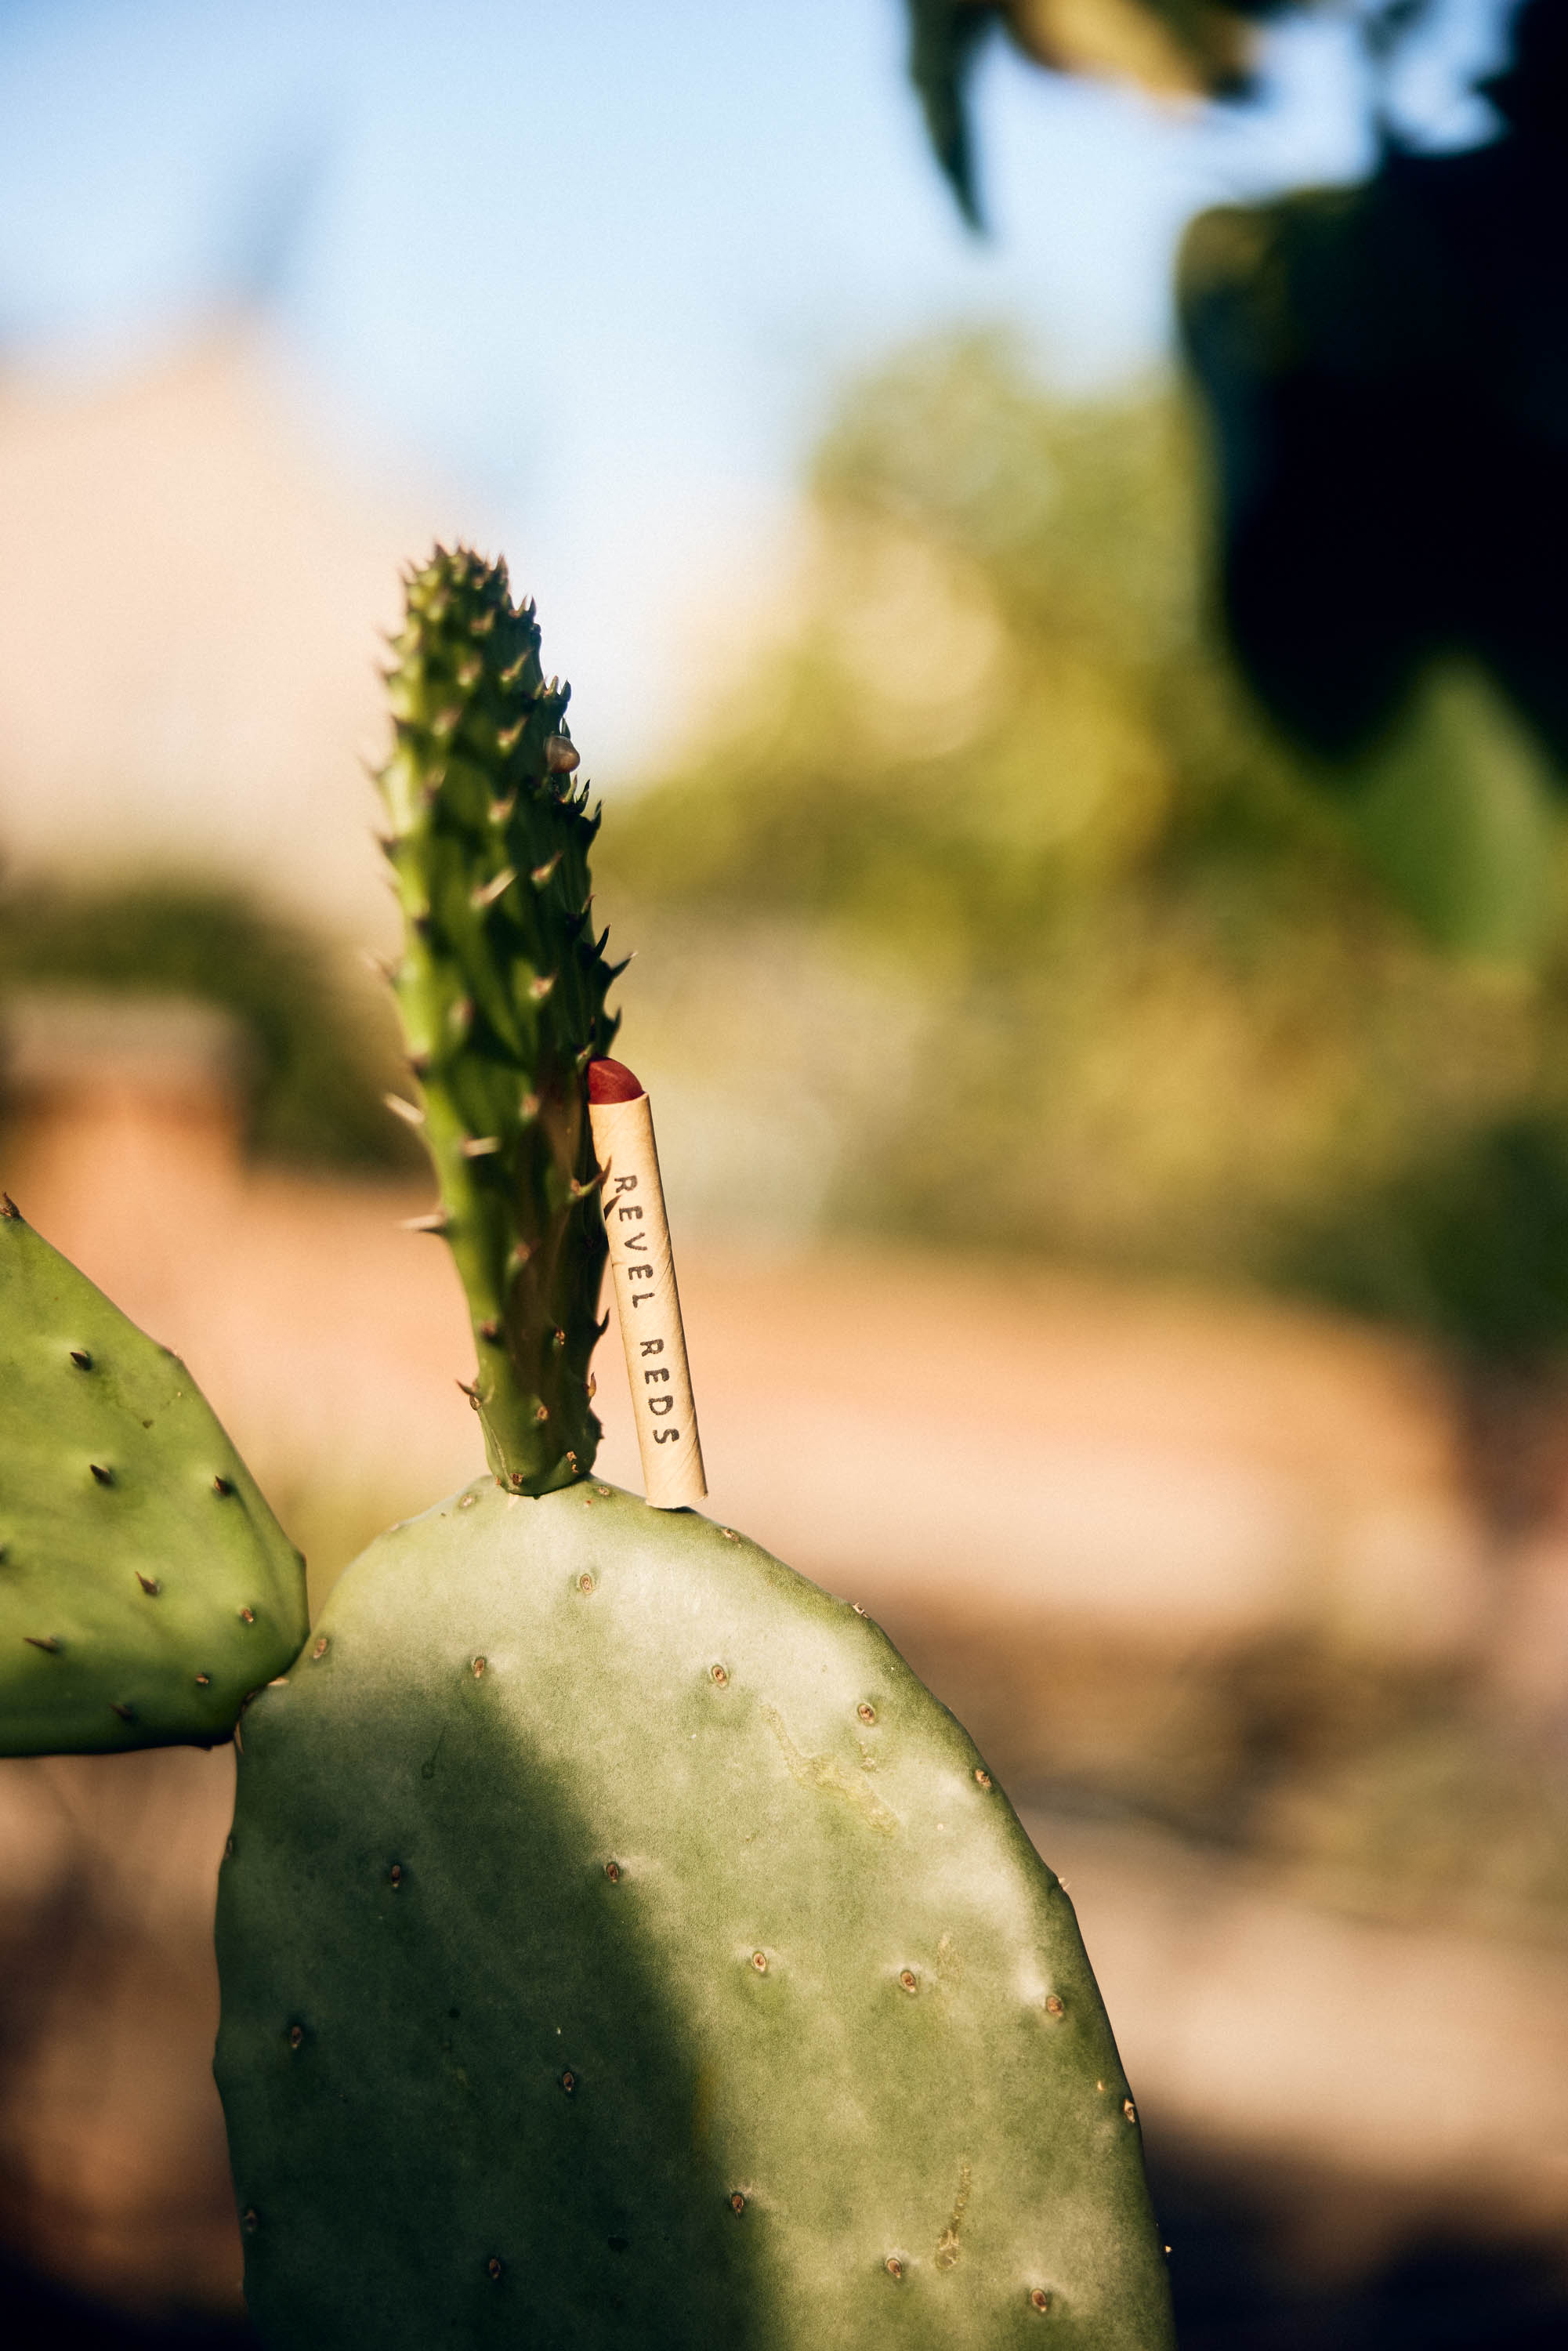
{"x":622,"y":1948}
{"x":501,"y":989}
{"x":145,"y":1587}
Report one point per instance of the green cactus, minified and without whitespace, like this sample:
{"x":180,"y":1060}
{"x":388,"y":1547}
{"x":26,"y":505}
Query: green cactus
{"x":619,"y":1945}
{"x":501,"y":990}
{"x":145,"y":1587}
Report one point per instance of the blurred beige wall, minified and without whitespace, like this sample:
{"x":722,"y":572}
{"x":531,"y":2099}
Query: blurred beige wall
{"x":192,"y":572}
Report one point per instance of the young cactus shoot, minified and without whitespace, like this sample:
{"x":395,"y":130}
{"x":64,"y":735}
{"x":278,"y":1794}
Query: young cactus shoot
{"x":501,"y":989}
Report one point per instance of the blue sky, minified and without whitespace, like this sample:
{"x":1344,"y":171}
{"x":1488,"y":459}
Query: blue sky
{"x":598,"y":265}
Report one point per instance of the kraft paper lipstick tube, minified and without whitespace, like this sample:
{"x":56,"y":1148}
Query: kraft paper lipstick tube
{"x":647,"y":1302}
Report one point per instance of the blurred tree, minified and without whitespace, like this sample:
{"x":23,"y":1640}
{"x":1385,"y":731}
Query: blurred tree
{"x":1383,"y":366}
{"x":1185,"y":48}
{"x":1384,"y":370}
{"x":1135,"y":994}
{"x":1387,"y":370}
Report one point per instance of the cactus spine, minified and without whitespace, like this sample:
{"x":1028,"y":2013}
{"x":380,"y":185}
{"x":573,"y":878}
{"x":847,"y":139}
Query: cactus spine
{"x":501,"y":990}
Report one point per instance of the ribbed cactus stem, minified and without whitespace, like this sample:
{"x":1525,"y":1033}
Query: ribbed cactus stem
{"x":502,"y":993}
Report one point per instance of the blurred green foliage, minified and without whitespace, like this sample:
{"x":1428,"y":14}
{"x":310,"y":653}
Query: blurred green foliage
{"x":1469,"y":1245}
{"x":1456,"y":811}
{"x":1066,"y":950}
{"x":322,"y":1047}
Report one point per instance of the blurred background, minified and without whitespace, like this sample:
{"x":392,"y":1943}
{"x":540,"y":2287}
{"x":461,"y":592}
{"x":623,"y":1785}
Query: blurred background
{"x":1054,"y":515}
